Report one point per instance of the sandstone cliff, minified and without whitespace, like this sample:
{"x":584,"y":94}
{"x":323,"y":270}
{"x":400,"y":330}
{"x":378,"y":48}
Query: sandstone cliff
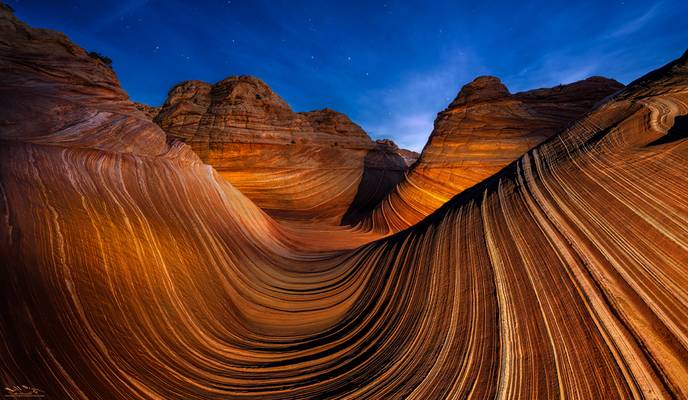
{"x":299,"y":166}
{"x":480,"y":132}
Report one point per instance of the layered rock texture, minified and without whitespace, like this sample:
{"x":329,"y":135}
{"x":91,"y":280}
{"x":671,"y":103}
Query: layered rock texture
{"x":298,"y":166}
{"x":481,"y":131}
{"x":132,"y":269}
{"x":383,"y":169}
{"x":150,"y":111}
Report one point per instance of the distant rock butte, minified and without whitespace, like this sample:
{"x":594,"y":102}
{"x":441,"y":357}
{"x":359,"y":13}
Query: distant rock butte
{"x":409,"y":156}
{"x":481,"y":131}
{"x":294,"y":165}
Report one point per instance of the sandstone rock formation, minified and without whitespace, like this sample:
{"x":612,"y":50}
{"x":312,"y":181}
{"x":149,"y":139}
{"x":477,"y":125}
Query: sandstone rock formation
{"x":480,"y":132}
{"x":384,"y":168}
{"x":150,"y":111}
{"x":302,"y":166}
{"x":130,"y":269}
{"x":409,"y":156}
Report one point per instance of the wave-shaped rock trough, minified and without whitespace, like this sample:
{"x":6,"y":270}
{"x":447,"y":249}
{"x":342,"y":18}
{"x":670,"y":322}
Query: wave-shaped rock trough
{"x":131,"y":269}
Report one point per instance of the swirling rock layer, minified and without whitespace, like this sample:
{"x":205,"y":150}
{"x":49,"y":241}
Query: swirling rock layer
{"x":130,"y":269}
{"x":483,"y":129}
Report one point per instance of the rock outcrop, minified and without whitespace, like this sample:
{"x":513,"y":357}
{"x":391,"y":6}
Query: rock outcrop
{"x":149,"y":111}
{"x":481,"y":131}
{"x":384,"y":167}
{"x":130,"y":269}
{"x":298,"y":166}
{"x":409,"y":156}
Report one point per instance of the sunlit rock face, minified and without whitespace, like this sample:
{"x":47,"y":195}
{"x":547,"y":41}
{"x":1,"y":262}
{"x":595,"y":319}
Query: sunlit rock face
{"x":300,"y":166}
{"x":130,"y":269}
{"x":481,"y":131}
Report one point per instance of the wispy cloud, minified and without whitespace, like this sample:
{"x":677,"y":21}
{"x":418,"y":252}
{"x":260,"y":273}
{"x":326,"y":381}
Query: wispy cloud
{"x":116,"y":14}
{"x":558,"y":67}
{"x":408,"y":131}
{"x":405,"y":110}
{"x":606,"y":54}
{"x":637,"y":23}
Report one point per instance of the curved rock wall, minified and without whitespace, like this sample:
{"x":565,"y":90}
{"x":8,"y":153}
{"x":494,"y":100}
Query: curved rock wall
{"x":130,"y":269}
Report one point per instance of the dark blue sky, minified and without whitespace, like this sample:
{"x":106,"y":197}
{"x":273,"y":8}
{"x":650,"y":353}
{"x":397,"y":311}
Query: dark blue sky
{"x":389,"y":65}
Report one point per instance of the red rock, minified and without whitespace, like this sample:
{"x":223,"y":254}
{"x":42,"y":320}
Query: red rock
{"x":481,"y":131}
{"x":299,"y":166}
{"x":130,"y":269}
{"x":149,"y":111}
{"x":384,"y":168}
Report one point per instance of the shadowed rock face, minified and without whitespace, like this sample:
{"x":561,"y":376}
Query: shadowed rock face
{"x":409,"y":156}
{"x":131,"y":269}
{"x":383,"y":169}
{"x":677,"y":132}
{"x":483,"y":130}
{"x":300,"y":166}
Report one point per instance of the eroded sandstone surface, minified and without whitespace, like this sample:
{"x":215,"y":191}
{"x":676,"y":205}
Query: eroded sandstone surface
{"x":299,"y":166}
{"x":481,"y":131}
{"x":132,"y":269}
